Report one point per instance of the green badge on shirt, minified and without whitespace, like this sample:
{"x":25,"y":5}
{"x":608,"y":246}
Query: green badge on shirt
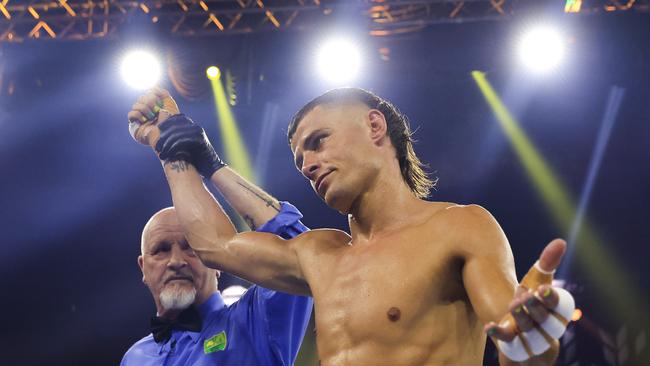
{"x":216,"y":343}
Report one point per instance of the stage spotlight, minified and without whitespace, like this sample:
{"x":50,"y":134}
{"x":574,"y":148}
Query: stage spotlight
{"x":541,"y":49}
{"x":213,"y":73}
{"x":140,"y":70}
{"x":338,"y":61}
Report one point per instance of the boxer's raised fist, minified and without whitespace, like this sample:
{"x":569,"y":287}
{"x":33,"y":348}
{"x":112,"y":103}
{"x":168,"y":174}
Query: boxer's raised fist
{"x":148,"y":112}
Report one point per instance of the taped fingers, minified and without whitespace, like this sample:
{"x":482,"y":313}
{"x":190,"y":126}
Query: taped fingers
{"x":523,"y":320}
{"x":536,"y":309}
{"x":536,"y":276}
{"x":525,"y":345}
{"x":133,"y":128}
{"x":558,"y":319}
{"x":536,"y":341}
{"x":547,"y":296}
{"x":549,"y":323}
{"x":566,"y":303}
{"x":553,"y":327}
{"x":143,"y":133}
{"x":514,"y":349}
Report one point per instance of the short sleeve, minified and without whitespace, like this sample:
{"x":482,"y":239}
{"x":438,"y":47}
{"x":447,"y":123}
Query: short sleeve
{"x":286,"y":223}
{"x":285,"y":316}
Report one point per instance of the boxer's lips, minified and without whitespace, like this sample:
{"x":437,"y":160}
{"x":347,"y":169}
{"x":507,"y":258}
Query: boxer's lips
{"x":319,"y":181}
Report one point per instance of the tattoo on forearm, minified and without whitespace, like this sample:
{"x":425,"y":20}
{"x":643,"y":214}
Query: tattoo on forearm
{"x":177,"y":166}
{"x":268,"y":200}
{"x":251,"y":223}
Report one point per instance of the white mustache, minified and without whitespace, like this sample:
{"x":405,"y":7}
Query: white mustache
{"x":179,"y":277}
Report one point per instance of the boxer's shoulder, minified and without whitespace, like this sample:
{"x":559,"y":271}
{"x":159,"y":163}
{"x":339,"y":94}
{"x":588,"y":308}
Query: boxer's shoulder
{"x":468,"y":228}
{"x":324,"y":238}
{"x":451,"y":215}
{"x":319,"y":249}
{"x":472,"y":215}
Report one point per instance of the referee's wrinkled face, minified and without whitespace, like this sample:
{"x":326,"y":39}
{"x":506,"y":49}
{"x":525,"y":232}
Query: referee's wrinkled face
{"x":170,"y":268}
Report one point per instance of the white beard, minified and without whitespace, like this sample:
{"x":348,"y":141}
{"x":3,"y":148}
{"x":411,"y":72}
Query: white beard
{"x":177,"y":297}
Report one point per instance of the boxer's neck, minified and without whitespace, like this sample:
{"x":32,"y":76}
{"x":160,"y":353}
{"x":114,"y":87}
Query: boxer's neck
{"x":384,"y":207}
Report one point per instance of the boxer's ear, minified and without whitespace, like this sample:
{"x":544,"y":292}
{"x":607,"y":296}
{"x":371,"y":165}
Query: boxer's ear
{"x":378,"y":126}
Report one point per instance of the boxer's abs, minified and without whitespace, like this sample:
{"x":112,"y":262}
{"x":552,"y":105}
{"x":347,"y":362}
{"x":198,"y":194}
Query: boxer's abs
{"x":368,"y":334}
{"x":393,"y":306}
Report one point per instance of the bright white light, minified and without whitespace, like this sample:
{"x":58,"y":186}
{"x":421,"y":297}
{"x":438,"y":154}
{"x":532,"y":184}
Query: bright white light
{"x":213,"y":73}
{"x":338,"y":61}
{"x":232,"y":294}
{"x":541,"y":49}
{"x":140,"y":70}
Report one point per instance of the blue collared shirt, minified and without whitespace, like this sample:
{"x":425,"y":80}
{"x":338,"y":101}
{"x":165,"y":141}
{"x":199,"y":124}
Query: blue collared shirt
{"x":263,"y":327}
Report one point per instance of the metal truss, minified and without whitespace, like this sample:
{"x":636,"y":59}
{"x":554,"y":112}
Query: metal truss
{"x":22,"y":20}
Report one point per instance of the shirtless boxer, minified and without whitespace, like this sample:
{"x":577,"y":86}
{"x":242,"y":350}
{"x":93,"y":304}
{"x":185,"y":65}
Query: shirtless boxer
{"x":416,"y":282}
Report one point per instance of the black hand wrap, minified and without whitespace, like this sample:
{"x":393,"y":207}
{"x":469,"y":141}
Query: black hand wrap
{"x":182,"y":139}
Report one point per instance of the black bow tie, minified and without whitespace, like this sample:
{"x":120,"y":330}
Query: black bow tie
{"x":161,"y":328}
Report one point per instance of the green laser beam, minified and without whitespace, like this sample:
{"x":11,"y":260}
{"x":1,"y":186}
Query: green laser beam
{"x":235,"y":149}
{"x":600,"y":264}
{"x":236,"y":153}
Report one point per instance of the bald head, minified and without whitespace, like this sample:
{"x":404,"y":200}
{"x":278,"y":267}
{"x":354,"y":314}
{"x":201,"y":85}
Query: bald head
{"x":165,"y":217}
{"x":174,"y":274}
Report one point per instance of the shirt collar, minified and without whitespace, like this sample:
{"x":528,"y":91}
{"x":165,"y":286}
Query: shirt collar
{"x":212,"y":304}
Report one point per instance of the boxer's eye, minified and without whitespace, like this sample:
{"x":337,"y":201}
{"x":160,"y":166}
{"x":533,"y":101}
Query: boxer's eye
{"x":319,"y":140}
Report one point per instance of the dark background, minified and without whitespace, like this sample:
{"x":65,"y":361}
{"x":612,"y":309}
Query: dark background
{"x":75,"y":190}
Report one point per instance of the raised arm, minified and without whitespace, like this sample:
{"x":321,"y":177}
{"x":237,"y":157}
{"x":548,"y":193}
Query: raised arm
{"x":491,"y":284}
{"x":261,"y":258}
{"x":251,"y":202}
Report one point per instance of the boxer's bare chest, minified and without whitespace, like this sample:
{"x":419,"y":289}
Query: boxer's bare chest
{"x":387,"y":291}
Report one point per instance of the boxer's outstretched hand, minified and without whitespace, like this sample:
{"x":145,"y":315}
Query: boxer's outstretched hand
{"x":148,"y":112}
{"x":539,"y":313}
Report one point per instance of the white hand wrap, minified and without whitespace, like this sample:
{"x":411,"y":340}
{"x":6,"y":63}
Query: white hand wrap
{"x":133,"y":127}
{"x":556,"y":324}
{"x":514,"y":349}
{"x":531,"y":343}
